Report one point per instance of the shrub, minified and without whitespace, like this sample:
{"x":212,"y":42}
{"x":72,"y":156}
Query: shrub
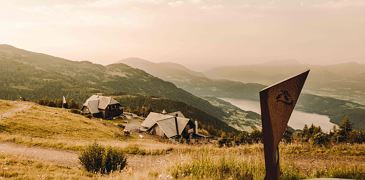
{"x":92,"y":158}
{"x":114,"y":160}
{"x":321,"y":139}
{"x":96,"y":158}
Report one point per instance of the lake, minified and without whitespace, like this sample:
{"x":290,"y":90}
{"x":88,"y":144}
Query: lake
{"x":297,"y":120}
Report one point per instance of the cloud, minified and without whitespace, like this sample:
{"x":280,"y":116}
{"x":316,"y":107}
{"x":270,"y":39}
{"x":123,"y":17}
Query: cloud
{"x":211,"y":7}
{"x":103,"y":3}
{"x":176,"y":3}
{"x":340,"y":4}
{"x":196,"y":1}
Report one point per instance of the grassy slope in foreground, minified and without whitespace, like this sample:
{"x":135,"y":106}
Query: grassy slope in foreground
{"x":205,"y":162}
{"x":5,"y":106}
{"x":54,"y":127}
{"x":59,"y":129}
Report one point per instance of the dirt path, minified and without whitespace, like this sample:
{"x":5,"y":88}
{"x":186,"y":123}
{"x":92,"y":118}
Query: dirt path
{"x":138,"y":166}
{"x":19,"y":106}
{"x":133,"y":124}
{"x":65,"y":158}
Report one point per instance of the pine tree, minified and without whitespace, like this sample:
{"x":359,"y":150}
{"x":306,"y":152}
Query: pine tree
{"x":305,"y":133}
{"x":345,"y":129}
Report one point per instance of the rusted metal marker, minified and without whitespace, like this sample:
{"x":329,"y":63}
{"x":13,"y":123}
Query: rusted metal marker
{"x":277,"y":103}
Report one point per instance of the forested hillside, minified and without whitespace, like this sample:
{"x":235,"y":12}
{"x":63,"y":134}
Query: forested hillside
{"x":37,"y":76}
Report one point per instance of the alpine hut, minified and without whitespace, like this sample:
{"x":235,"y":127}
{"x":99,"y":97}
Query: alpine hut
{"x":169,"y":125}
{"x":102,"y":106}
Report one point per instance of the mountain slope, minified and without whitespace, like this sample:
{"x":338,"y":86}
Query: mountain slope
{"x":195,"y":82}
{"x":34,"y":76}
{"x":161,"y":69}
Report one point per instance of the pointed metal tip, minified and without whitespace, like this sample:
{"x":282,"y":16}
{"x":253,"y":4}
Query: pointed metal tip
{"x":305,"y":72}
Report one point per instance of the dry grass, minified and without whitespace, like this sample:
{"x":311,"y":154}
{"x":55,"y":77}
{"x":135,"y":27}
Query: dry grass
{"x":57,"y":123}
{"x":57,"y":128}
{"x":204,"y":162}
{"x":246,"y":162}
{"x":18,"y":167}
{"x":6,"y":105}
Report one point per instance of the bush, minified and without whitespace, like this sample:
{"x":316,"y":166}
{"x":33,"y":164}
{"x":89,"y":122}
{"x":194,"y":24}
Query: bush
{"x":321,"y":139}
{"x":96,"y":158}
{"x":114,"y":160}
{"x":92,"y":158}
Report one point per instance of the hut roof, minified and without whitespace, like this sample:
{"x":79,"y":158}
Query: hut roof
{"x":93,"y":106}
{"x":166,"y":122}
{"x":168,"y":126}
{"x":96,"y":102}
{"x":152,"y":118}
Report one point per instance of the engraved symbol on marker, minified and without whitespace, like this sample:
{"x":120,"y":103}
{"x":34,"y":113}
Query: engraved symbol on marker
{"x":284,"y":97}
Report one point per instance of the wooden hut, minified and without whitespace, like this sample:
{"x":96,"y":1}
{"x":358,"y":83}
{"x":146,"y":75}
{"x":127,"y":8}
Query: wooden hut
{"x":102,"y":106}
{"x":169,"y":125}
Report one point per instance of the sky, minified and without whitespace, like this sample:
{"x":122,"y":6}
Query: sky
{"x":196,"y":33}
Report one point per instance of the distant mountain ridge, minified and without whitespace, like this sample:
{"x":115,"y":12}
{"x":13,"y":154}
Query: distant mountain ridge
{"x":160,"y":69}
{"x":342,"y":81}
{"x":195,"y":82}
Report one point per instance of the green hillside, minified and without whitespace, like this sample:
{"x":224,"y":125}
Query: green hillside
{"x":36,"y":76}
{"x":334,"y":108}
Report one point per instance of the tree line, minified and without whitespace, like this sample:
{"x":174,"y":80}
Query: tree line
{"x":344,"y":133}
{"x":70,"y":104}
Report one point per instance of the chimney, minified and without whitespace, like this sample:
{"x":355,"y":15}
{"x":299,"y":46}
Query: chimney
{"x":177,"y":127}
{"x":196,"y":127}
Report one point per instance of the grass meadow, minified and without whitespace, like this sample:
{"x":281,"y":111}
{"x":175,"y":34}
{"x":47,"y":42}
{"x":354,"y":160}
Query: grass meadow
{"x":151,"y":158}
{"x":5,"y":105}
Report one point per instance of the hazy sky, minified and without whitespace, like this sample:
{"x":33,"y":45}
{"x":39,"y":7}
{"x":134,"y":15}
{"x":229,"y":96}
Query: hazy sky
{"x":210,"y":32}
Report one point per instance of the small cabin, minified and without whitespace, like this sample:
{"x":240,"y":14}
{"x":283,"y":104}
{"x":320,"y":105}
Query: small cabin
{"x":170,"y":125}
{"x":102,"y":107}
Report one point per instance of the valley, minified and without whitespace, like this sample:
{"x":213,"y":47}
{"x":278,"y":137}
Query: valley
{"x":201,"y":85}
{"x":297,"y":120}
